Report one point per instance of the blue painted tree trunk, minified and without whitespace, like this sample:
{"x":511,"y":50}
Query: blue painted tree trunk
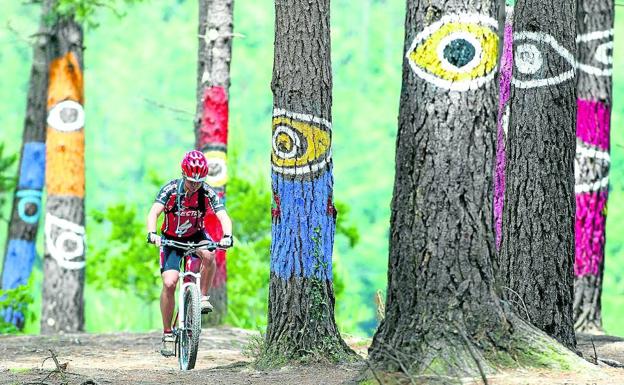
{"x":20,"y":253}
{"x":301,"y":297}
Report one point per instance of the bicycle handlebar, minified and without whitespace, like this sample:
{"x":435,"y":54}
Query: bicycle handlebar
{"x":191,"y":247}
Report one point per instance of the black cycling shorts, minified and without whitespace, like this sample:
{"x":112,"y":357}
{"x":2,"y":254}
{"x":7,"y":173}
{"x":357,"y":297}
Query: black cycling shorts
{"x":170,"y":257}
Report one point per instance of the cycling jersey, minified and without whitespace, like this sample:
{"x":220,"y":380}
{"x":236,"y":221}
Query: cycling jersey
{"x":184,"y":215}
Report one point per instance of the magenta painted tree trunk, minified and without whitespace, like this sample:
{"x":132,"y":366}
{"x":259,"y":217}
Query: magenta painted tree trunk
{"x":211,"y":123}
{"x":594,"y":91}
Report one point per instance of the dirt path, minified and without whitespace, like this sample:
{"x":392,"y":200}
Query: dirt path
{"x":126,"y":358}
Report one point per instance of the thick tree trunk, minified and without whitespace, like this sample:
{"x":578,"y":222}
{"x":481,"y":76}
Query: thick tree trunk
{"x":301,"y":297}
{"x":537,"y":252}
{"x":443,"y":316}
{"x":211,"y":123}
{"x":62,"y":302}
{"x":595,"y":56}
{"x":20,"y":252}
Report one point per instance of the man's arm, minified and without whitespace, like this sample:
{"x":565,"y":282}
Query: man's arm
{"x":152,"y":219}
{"x":226,"y":222}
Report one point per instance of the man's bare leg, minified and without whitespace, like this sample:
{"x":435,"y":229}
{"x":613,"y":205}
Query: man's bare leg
{"x":208,"y":270}
{"x":167,"y":297}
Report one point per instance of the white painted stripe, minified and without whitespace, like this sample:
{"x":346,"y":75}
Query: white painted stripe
{"x":302,"y":170}
{"x":596,"y":35}
{"x":544,"y":82}
{"x":594,"y":70}
{"x":277,"y":112}
{"x":590,"y":152}
{"x":589,"y":187}
{"x":463,"y":85}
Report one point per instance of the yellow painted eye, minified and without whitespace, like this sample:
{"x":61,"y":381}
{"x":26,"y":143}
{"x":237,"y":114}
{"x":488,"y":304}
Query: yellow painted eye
{"x":459,"y":52}
{"x":217,"y":168}
{"x":301,"y":143}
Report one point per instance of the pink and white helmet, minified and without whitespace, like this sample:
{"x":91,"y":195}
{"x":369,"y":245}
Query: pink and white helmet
{"x":194,"y":166}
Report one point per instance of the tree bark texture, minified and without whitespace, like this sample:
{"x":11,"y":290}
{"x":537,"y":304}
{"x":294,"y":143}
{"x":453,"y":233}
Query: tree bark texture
{"x":301,"y":297}
{"x":64,"y":262}
{"x":594,"y":90}
{"x":211,"y":123}
{"x":442,"y":313}
{"x":20,"y":252}
{"x":537,"y":251}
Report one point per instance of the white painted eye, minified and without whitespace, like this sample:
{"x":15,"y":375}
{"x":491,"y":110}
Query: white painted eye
{"x":65,"y":241}
{"x":66,"y":116}
{"x":286,"y":142}
{"x":541,"y":61}
{"x":596,"y":49}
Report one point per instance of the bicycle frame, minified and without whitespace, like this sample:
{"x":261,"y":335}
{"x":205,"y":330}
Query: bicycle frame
{"x":190,"y":277}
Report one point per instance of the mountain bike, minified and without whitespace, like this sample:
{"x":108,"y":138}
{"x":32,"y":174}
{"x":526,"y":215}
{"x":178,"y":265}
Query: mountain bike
{"x":188,"y":315}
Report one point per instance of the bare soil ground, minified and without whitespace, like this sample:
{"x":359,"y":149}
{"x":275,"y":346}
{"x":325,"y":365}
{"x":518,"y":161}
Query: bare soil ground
{"x":131,"y":358}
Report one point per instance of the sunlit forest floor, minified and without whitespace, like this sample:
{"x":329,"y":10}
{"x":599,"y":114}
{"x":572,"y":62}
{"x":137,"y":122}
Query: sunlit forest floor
{"x":125,"y":358}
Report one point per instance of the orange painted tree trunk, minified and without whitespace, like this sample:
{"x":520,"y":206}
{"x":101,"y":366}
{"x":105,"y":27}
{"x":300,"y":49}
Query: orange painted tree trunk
{"x":20,"y":253}
{"x":211,"y":123}
{"x":62,"y":302}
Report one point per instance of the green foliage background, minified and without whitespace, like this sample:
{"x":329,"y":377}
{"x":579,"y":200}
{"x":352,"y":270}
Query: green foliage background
{"x":140,"y":68}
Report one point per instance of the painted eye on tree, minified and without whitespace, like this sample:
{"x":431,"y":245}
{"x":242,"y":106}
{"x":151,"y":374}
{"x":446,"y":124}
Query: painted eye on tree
{"x":29,"y":205}
{"x":66,"y":116}
{"x":65,"y":242}
{"x":459,"y":52}
{"x":301,"y":144}
{"x":591,"y":168}
{"x":217,"y":168}
{"x":597,"y":49}
{"x":540,"y":61}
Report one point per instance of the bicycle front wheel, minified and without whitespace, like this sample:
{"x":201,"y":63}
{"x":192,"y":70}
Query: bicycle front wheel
{"x":189,"y":335}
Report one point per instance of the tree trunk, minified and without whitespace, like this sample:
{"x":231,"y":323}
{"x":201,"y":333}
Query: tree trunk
{"x":537,"y":252}
{"x":64,"y":262}
{"x":301,"y":296}
{"x":443,"y":316}
{"x":20,"y":252}
{"x":594,"y":89}
{"x":211,"y":123}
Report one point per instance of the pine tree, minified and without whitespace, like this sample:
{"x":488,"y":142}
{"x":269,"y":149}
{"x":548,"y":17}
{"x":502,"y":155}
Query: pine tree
{"x":537,"y":251}
{"x":301,"y":296}
{"x":211,"y":123}
{"x":444,"y":316}
{"x":64,"y":261}
{"x":20,"y":253}
{"x":594,"y":21}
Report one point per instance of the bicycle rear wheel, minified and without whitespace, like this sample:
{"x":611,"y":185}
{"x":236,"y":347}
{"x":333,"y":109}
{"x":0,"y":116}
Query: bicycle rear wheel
{"x":189,"y":336}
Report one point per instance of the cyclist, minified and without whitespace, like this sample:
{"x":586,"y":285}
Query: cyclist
{"x":184,"y":202}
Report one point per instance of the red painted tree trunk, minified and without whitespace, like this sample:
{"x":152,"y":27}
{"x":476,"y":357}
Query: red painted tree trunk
{"x":211,"y":123}
{"x":62,"y":306}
